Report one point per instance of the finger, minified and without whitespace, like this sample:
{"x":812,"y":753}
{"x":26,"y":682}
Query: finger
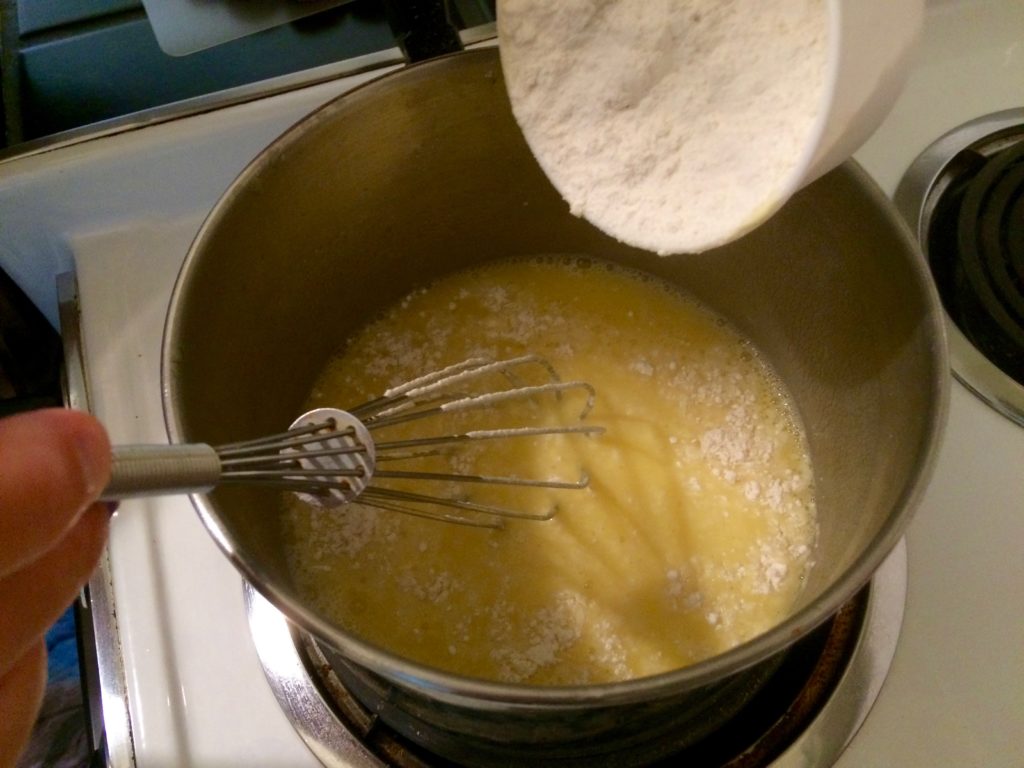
{"x":21,"y":694}
{"x":53,"y":464}
{"x":34,"y":597}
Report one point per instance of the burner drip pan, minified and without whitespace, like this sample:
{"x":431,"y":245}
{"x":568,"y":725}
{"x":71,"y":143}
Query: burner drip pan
{"x":762,"y":722}
{"x":811,"y":702}
{"x":964,"y":198}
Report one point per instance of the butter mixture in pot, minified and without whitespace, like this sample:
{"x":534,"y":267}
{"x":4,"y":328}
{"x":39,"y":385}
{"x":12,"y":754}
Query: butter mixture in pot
{"x":694,"y":535}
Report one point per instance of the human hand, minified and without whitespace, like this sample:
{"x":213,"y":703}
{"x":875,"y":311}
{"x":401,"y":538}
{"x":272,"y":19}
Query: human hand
{"x":53,"y":465}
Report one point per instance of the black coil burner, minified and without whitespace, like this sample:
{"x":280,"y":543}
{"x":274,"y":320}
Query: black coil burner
{"x":964,"y":198}
{"x":975,"y":248}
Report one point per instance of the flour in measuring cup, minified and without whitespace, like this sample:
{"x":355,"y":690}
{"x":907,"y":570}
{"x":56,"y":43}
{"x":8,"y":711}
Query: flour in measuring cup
{"x":672,"y":125}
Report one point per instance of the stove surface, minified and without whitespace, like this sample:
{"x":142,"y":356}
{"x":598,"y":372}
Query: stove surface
{"x":122,"y":210}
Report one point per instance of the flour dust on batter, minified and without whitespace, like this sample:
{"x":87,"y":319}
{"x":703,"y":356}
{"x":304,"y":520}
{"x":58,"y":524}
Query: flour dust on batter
{"x":694,"y":535}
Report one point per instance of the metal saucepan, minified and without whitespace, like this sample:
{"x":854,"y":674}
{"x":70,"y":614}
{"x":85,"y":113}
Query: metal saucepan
{"x":423,"y":172}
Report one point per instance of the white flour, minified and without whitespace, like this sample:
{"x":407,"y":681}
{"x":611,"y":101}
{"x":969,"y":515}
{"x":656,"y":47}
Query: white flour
{"x":672,"y":125}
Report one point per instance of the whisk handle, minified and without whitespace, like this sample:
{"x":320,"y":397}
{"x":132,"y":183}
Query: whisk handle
{"x":154,"y":470}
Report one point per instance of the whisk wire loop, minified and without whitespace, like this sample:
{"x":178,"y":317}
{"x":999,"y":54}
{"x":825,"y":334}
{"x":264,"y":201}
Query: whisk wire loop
{"x":329,"y":456}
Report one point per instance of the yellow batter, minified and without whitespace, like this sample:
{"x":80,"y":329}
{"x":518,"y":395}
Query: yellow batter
{"x":694,"y":535}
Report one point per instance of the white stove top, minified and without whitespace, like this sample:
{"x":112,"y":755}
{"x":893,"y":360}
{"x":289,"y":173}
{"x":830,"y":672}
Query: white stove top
{"x":122,"y":210}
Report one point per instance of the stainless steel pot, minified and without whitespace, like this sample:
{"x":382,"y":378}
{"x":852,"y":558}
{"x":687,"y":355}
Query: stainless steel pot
{"x":423,"y":172}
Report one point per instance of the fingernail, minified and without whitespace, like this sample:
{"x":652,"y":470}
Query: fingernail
{"x":89,"y":449}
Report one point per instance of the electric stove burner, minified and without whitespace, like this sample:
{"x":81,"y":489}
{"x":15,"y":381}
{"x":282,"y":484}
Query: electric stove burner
{"x":809,"y":709}
{"x":763,"y":728}
{"x":964,"y":197}
{"x":976,"y":250}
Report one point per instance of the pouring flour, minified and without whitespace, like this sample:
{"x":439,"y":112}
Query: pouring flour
{"x":680,"y":125}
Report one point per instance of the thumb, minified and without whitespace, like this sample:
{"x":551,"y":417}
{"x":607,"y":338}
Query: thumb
{"x":53,"y":464}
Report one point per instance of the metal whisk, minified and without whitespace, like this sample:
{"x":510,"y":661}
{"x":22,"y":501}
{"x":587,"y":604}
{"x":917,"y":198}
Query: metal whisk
{"x":330,"y":457}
